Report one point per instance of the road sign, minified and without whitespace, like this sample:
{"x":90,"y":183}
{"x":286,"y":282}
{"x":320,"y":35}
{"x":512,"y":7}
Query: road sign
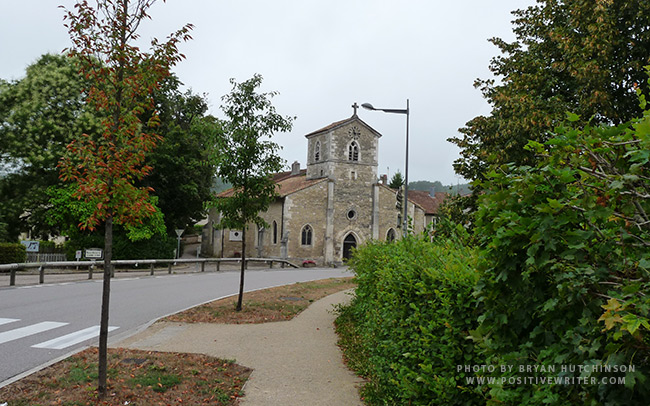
{"x":94,"y":253}
{"x":31,"y":246}
{"x":235,"y":236}
{"x":78,"y":254}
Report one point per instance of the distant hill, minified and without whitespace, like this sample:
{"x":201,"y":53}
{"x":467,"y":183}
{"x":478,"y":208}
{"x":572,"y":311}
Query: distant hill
{"x":437,"y":186}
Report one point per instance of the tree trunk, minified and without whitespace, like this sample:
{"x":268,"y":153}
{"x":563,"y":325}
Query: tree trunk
{"x":106,"y":293}
{"x":243,"y":268}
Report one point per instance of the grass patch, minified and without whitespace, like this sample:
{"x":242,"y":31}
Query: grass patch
{"x":261,"y":306}
{"x":135,"y":377}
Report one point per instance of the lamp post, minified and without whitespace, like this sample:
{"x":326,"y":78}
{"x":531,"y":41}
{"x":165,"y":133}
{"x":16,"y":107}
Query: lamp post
{"x":406,"y":111}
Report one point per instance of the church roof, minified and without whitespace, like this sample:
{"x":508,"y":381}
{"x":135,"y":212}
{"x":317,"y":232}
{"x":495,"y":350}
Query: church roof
{"x":285,"y":183}
{"x":341,"y":123}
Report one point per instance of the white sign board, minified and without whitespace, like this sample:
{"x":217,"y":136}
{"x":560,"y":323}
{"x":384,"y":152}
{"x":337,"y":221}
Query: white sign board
{"x":94,"y":253}
{"x":31,"y":246}
{"x":235,"y":235}
{"x":78,"y":254}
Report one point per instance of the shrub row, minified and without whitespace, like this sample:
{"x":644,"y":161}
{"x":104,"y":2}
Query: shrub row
{"x":160,"y":246}
{"x":11,"y":253}
{"x":413,"y":312}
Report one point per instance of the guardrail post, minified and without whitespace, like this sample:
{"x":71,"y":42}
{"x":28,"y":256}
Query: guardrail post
{"x":169,"y":268}
{"x":151,"y":269}
{"x":202,"y":266}
{"x":41,"y":274}
{"x":90,"y":271}
{"x":12,"y":278}
{"x":218,"y":265}
{"x":271,"y":264}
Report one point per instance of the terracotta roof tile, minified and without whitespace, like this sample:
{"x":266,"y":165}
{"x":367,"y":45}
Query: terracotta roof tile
{"x":426,"y":201}
{"x":285,"y":183}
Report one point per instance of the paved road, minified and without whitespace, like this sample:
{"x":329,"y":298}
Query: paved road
{"x":43,"y":323}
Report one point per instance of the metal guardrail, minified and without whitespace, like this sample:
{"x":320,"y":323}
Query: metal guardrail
{"x":14,"y":269}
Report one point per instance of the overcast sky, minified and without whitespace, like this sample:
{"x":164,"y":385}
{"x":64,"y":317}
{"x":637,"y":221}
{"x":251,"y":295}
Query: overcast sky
{"x":322,"y":56}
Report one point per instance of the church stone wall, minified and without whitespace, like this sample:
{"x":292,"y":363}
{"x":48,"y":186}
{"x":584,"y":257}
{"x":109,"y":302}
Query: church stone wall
{"x":387,"y":213}
{"x":350,"y":195}
{"x":268,"y":247}
{"x":308,"y":206}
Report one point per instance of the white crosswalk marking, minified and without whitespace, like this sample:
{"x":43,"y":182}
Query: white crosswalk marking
{"x":7,"y":321}
{"x":72,"y":339}
{"x":29,"y":330}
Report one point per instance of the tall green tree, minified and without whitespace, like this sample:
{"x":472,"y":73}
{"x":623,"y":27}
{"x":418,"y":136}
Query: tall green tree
{"x":39,"y":116}
{"x":183,"y":172}
{"x":248,"y":158}
{"x":396,"y":181}
{"x":569,"y":55}
{"x":122,"y":80}
{"x":565,"y":263}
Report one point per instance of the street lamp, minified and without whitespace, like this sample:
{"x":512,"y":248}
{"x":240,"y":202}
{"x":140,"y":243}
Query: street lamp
{"x":369,"y":106}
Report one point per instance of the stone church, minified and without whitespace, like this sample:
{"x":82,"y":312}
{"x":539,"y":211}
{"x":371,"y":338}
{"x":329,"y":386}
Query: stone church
{"x":332,"y":206}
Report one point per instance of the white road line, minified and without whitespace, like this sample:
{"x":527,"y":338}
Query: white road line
{"x":72,"y":339}
{"x":7,"y":321}
{"x":29,"y":330}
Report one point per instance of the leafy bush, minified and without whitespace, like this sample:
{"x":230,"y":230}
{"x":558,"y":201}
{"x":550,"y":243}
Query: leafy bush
{"x":159,"y":247}
{"x":413,"y":311}
{"x":566,"y":264}
{"x":12,"y":253}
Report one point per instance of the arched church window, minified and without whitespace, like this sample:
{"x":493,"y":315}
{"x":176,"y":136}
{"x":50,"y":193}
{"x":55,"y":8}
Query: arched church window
{"x":275,"y":232}
{"x":390,"y":236}
{"x":317,"y":151}
{"x":306,"y":235}
{"x":353,"y":151}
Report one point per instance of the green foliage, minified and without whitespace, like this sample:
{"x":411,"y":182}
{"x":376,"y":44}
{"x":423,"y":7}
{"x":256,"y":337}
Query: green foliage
{"x":413,"y":311}
{"x":162,"y":246}
{"x":566,"y":262}
{"x":437,"y":186}
{"x":67,"y":211}
{"x":11,"y":253}
{"x":4,"y":233}
{"x":396,"y":181}
{"x":245,"y":159}
{"x":183,"y":172}
{"x":578,"y":56}
{"x":458,"y":209}
{"x":39,"y":115}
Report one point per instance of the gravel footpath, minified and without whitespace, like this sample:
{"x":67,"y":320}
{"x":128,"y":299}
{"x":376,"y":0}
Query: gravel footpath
{"x":295,"y":362}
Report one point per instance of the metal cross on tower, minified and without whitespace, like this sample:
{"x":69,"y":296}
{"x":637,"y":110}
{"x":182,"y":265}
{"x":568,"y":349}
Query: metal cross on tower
{"x":355,"y":106}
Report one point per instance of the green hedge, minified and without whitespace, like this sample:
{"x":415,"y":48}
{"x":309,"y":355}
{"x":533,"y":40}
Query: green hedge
{"x":11,"y":253}
{"x":413,"y":311}
{"x":157,"y":247}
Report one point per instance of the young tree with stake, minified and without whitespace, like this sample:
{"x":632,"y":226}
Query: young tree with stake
{"x":122,"y":79}
{"x":247,"y":161}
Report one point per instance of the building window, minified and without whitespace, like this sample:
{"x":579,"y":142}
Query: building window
{"x":306,"y":235}
{"x":317,"y":151}
{"x":390,"y":236}
{"x":353,"y":151}
{"x":275,"y":232}
{"x":352,"y":215}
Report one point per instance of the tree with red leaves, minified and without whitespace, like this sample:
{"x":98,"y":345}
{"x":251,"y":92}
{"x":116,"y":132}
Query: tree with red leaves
{"x":122,"y":80}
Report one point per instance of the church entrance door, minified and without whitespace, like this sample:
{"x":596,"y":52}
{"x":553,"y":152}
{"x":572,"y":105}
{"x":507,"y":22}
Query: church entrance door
{"x":349,"y":243}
